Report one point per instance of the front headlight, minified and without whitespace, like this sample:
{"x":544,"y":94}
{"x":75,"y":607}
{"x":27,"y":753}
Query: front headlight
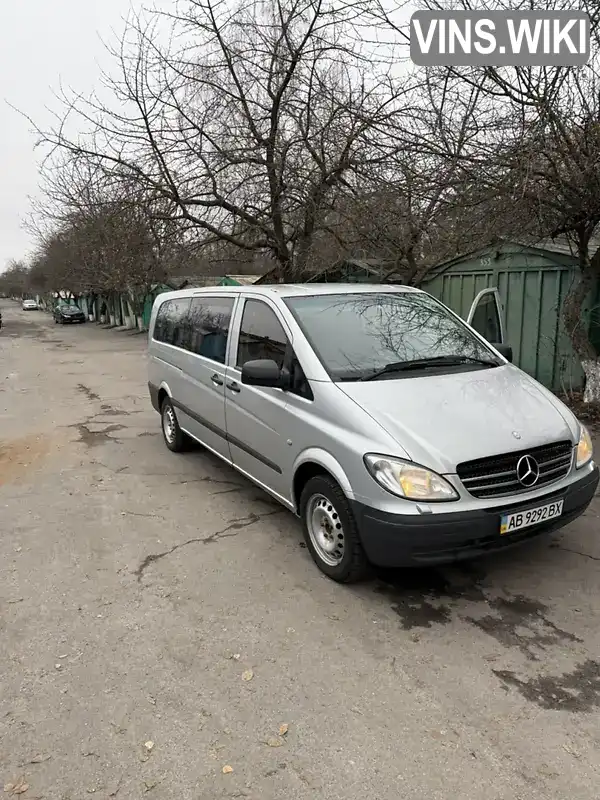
{"x":585,"y":448}
{"x":405,"y":479}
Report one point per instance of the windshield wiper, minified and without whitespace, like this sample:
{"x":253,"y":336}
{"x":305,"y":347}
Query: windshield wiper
{"x":423,"y":363}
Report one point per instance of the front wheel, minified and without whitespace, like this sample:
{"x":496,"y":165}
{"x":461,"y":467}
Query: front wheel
{"x":330,"y":531}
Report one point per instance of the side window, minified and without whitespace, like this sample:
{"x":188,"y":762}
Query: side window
{"x":261,"y":335}
{"x":171,"y":322}
{"x":161,"y":321}
{"x":298,"y":383}
{"x":209,"y":327}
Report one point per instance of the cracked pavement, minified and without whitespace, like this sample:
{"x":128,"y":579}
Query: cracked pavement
{"x":119,"y":628}
{"x":228,"y":531}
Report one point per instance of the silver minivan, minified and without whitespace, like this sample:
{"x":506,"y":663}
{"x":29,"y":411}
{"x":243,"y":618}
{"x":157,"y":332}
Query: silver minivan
{"x":395,"y":431}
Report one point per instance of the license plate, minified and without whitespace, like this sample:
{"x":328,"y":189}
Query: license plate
{"x":523,"y":519}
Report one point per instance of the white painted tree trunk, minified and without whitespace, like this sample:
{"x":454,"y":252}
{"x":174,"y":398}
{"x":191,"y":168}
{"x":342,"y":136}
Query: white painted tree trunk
{"x":140,"y":323}
{"x":592,"y":381}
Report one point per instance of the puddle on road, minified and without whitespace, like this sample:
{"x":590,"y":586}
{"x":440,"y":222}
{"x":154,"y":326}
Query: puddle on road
{"x":94,"y":438}
{"x":18,"y":457}
{"x":522,"y":623}
{"x":577,"y":691}
{"x":425,"y":599}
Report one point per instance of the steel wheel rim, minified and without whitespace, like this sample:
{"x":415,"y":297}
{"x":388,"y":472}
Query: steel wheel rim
{"x":325,"y":530}
{"x":169,"y":424}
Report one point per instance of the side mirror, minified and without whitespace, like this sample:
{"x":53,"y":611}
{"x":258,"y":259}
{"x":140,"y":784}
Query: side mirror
{"x":504,"y":350}
{"x":263,"y":372}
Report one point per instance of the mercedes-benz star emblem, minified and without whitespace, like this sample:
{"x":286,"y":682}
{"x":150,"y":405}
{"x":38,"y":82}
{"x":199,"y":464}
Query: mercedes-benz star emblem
{"x":528,"y":471}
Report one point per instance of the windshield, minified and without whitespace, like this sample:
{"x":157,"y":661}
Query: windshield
{"x":356,"y":335}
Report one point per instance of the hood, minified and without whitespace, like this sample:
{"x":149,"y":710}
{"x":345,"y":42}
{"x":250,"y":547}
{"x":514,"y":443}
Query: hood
{"x":441,"y":420}
{"x":71,"y":310}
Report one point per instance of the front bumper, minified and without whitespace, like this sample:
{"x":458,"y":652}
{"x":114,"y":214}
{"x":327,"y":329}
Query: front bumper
{"x":70,"y":319}
{"x":391,"y":540}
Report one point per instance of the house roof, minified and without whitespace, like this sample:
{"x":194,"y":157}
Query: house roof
{"x":244,"y":280}
{"x":191,"y":281}
{"x":371,"y":266}
{"x":560,"y":245}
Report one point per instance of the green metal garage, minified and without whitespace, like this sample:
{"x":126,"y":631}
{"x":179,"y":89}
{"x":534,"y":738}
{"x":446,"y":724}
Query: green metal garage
{"x":532,"y":281}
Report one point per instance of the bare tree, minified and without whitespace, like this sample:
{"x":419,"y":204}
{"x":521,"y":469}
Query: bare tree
{"x":427,"y":203}
{"x":549,"y":162}
{"x":15,"y":281}
{"x":246,"y":124}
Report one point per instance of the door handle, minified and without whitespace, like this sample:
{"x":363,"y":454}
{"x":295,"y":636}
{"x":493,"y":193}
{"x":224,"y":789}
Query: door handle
{"x":216,"y":380}
{"x":233,"y":386}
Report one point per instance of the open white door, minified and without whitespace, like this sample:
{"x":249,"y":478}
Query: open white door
{"x":485,"y":316}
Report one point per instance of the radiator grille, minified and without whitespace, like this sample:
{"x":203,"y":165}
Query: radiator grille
{"x":496,"y":476}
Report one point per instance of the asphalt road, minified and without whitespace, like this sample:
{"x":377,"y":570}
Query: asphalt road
{"x":138,"y":590}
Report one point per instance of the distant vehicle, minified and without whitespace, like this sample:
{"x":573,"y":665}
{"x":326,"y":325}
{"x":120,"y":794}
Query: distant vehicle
{"x":30,"y":305}
{"x":65,"y":313}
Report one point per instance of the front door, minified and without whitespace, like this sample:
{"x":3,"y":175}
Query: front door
{"x":255,"y":415}
{"x":485,"y":316}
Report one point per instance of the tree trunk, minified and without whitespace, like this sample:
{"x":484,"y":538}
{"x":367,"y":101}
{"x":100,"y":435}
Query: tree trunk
{"x":413,"y":268}
{"x":577,"y":330}
{"x":592,"y":381}
{"x":112,"y":309}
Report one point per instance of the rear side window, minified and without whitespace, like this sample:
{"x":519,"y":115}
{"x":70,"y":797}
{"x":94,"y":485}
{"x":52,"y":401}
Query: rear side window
{"x":209,"y":327}
{"x":261,"y":335}
{"x":171,"y":325}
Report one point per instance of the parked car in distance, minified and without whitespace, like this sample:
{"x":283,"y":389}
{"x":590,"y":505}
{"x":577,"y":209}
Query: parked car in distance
{"x":395,"y":431}
{"x":29,"y":305}
{"x":65,"y":313}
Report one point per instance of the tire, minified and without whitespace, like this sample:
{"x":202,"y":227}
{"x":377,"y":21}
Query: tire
{"x":174,"y":437}
{"x":328,"y":522}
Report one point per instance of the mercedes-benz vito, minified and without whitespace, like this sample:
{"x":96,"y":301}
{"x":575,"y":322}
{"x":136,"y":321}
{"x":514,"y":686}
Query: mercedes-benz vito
{"x":394,"y":430}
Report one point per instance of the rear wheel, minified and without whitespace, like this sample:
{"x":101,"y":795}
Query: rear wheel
{"x":330,"y":531}
{"x":174,"y":437}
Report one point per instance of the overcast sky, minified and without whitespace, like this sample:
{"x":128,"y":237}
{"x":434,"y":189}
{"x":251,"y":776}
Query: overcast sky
{"x":43,"y":42}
